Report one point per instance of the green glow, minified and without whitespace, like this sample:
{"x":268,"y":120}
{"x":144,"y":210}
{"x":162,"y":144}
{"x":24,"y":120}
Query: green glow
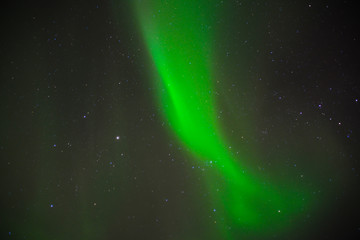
{"x":178,"y":35}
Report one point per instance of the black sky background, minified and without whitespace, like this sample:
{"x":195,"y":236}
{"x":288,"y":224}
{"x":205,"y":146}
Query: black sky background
{"x":75,"y":75}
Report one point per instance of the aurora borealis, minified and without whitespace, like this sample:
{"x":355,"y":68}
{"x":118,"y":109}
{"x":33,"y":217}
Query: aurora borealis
{"x":178,"y":36}
{"x":180,"y":120}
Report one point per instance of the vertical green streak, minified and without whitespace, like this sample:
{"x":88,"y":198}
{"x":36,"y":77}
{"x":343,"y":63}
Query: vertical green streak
{"x":178,"y":36}
{"x":178,"y":42}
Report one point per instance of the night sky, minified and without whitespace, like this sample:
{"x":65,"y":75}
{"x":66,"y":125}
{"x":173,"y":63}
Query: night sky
{"x":90,"y":150}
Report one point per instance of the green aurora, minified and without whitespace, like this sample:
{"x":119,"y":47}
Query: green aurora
{"x":178,"y":37}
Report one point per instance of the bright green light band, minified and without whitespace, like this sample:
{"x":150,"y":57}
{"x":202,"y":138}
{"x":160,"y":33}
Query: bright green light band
{"x":178,"y":34}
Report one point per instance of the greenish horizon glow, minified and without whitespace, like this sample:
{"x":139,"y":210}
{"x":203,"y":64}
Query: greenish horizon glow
{"x":178,"y":36}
